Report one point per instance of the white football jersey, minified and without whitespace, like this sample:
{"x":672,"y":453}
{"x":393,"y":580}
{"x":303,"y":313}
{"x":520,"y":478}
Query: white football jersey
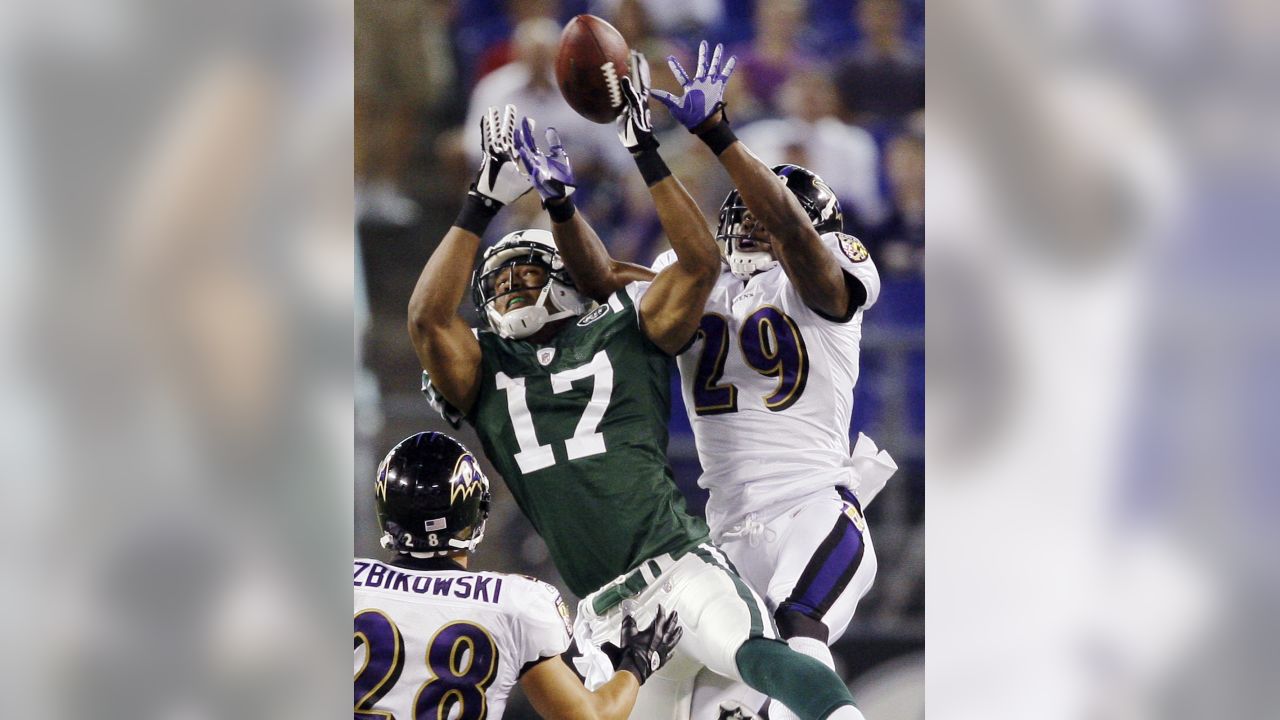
{"x":768,"y":385}
{"x":429,"y":641}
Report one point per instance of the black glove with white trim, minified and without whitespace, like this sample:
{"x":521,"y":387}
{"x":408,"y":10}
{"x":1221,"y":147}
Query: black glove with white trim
{"x":645,"y":651}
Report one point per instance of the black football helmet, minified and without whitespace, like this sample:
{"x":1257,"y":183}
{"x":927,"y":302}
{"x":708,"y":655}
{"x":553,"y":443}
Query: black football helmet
{"x":817,"y":199}
{"x":432,"y":496}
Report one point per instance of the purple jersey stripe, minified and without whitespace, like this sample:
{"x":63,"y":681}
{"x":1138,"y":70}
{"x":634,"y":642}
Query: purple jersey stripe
{"x":836,"y":571}
{"x":829,"y":571}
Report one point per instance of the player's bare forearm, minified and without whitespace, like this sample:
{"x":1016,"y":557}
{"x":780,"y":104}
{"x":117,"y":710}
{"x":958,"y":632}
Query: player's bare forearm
{"x":555,"y":692}
{"x":615,"y":699}
{"x":672,"y":308}
{"x":595,"y":273}
{"x":443,"y":341}
{"x":796,"y":244}
{"x":685,"y":227}
{"x":767,"y":198}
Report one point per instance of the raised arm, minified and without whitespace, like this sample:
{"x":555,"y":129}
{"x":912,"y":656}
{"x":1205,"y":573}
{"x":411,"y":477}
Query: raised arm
{"x":556,"y":692}
{"x":672,"y":307}
{"x":445,"y":345}
{"x":821,"y":283}
{"x":594,"y":272}
{"x":665,"y":308}
{"x":797,"y":245}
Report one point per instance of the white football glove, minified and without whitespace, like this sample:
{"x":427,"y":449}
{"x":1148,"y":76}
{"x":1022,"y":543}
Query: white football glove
{"x":635,"y":127}
{"x":499,"y":179}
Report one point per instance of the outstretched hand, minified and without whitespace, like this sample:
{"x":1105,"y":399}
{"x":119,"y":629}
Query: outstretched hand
{"x":499,"y":180}
{"x":645,"y":651}
{"x":550,"y":173}
{"x":704,"y":93}
{"x":635,"y":127}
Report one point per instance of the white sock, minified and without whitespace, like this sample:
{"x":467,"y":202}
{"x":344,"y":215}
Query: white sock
{"x":814,"y":648}
{"x":819,"y":651}
{"x":847,"y":712}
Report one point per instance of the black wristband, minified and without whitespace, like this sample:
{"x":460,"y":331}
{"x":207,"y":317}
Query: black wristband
{"x":561,"y":210}
{"x":477,"y":212}
{"x":652,"y":167}
{"x":718,"y":137}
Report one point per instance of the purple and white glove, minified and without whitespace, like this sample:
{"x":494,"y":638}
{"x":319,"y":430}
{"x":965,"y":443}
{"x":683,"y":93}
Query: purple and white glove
{"x":704,"y":94}
{"x":499,"y":180}
{"x":550,"y":173}
{"x":635,"y":126}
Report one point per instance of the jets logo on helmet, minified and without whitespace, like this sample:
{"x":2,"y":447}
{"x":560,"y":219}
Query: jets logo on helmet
{"x":558,"y":298}
{"x":815,"y":196}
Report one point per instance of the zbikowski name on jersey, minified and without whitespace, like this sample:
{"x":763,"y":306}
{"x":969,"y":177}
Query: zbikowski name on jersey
{"x":427,"y":638}
{"x":768,"y":385}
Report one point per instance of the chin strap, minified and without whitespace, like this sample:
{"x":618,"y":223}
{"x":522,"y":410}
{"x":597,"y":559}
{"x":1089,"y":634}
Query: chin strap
{"x":525,"y":321}
{"x":469,"y":544}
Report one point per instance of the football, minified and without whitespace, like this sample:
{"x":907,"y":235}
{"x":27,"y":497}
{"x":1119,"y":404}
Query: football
{"x":590,"y":62}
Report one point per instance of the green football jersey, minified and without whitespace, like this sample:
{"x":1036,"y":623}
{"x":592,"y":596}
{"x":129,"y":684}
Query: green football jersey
{"x":578,"y":429}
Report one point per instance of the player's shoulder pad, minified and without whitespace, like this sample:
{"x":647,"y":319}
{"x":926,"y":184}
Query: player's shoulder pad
{"x":856,"y":261}
{"x":848,"y":245}
{"x":539,"y":601}
{"x":530,"y":588}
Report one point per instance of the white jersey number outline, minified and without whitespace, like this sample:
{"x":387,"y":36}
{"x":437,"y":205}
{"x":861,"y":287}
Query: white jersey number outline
{"x":586,"y":441}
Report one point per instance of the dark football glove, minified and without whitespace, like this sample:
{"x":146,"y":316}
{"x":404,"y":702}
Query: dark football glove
{"x":644,"y":651}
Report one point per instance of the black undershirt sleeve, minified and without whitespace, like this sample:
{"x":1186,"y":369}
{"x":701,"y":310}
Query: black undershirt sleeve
{"x":857,"y":296}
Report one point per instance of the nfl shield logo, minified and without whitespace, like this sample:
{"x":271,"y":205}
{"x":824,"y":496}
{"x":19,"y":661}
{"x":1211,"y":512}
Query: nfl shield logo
{"x":545,"y":355}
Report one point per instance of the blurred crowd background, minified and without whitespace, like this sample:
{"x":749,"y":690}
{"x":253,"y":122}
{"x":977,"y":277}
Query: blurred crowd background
{"x":834,"y":85}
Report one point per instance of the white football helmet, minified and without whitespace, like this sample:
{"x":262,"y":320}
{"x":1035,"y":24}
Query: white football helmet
{"x":558,"y":299}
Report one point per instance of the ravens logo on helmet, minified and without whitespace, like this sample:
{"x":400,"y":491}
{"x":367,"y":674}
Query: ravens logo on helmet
{"x":432,"y":497}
